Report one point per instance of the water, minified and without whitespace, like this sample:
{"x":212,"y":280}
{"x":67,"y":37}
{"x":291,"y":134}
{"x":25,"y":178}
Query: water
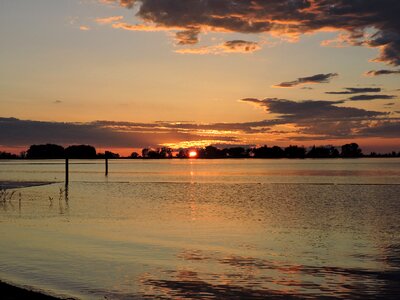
{"x":205,"y":229}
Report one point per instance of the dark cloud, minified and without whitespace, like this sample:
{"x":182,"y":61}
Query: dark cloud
{"x":382,"y":72}
{"x":241,"y":46}
{"x":308,"y":120}
{"x":319,"y":78}
{"x":322,"y":119}
{"x":355,"y":91}
{"x":297,"y":111}
{"x":188,"y":37}
{"x":15,"y":132}
{"x":289,"y":18}
{"x":371,"y":97}
{"x":385,"y":129}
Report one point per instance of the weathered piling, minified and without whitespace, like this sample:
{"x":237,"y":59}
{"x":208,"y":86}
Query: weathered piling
{"x":66,"y":172}
{"x":106,"y":166}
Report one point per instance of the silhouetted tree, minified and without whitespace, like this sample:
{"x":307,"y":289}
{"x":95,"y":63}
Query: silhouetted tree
{"x":165,"y":152}
{"x":153,"y":154}
{"x":7,"y":155}
{"x":134,"y":155}
{"x":323,"y":152}
{"x":145,"y":151}
{"x":236,"y":152}
{"x":261,"y":152}
{"x":213,"y":152}
{"x":182,"y":153}
{"x":48,"y":151}
{"x":109,"y":154}
{"x":277,"y":152}
{"x":295,"y":152}
{"x":81,"y":152}
{"x":351,"y":150}
{"x":266,"y":152}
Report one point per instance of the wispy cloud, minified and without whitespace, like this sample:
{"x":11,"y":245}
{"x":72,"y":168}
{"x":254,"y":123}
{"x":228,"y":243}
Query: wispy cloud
{"x":353,"y":90}
{"x":381,"y":72}
{"x":371,"y":97}
{"x":235,"y":46}
{"x":84,"y":28}
{"x":109,"y":20}
{"x":318,"y":78}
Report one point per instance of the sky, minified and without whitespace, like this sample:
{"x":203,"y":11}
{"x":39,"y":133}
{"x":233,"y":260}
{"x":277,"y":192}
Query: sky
{"x":129,"y":74}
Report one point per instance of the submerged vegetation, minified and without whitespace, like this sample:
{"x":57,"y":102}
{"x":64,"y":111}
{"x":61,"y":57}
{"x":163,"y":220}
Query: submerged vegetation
{"x":6,"y":199}
{"x":52,"y":151}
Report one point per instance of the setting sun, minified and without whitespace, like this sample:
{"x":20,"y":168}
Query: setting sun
{"x":193,"y":154}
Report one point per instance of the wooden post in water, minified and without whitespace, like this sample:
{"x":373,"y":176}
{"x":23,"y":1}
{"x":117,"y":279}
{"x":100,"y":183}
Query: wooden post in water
{"x":66,"y":172}
{"x":106,"y":166}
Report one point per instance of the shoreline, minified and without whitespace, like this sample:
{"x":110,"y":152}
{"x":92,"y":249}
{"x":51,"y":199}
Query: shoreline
{"x":7,"y":185}
{"x":11,"y":292}
{"x":7,"y":290}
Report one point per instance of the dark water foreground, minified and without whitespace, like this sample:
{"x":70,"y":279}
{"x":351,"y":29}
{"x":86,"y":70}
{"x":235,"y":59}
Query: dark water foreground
{"x":312,"y":231}
{"x":9,"y":292}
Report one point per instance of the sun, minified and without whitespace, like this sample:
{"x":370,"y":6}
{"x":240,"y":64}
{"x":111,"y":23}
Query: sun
{"x":192,"y":154}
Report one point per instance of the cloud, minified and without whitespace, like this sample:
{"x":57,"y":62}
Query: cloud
{"x":371,"y":97}
{"x":187,"y":37}
{"x":16,"y":132}
{"x":372,"y":23}
{"x":385,"y":128}
{"x":139,"y":27}
{"x":57,"y":102}
{"x":109,"y":20}
{"x":352,"y":90}
{"x":84,"y":28}
{"x":235,"y":46}
{"x":285,"y":121}
{"x":325,"y":120}
{"x":124,"y":3}
{"x":319,"y":78}
{"x":296,"y":111}
{"x":381,"y":72}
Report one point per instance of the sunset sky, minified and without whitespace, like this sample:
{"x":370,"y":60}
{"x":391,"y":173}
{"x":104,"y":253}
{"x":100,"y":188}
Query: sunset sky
{"x":128,"y":74}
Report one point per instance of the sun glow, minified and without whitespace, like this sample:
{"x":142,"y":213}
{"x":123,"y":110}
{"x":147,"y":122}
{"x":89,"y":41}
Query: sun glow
{"x":192,"y":154}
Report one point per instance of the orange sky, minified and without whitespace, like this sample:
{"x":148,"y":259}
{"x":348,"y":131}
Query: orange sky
{"x":254,"y":76}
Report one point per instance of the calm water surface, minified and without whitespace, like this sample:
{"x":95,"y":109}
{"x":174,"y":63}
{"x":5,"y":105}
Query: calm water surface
{"x":204,"y":229}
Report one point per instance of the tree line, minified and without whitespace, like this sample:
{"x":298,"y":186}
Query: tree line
{"x":348,"y":151}
{"x":52,"y":151}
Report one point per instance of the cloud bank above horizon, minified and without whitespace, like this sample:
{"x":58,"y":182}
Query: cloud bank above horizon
{"x":373,"y":23}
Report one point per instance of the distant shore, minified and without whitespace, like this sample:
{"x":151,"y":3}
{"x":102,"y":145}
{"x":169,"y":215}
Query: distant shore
{"x":53,"y":151}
